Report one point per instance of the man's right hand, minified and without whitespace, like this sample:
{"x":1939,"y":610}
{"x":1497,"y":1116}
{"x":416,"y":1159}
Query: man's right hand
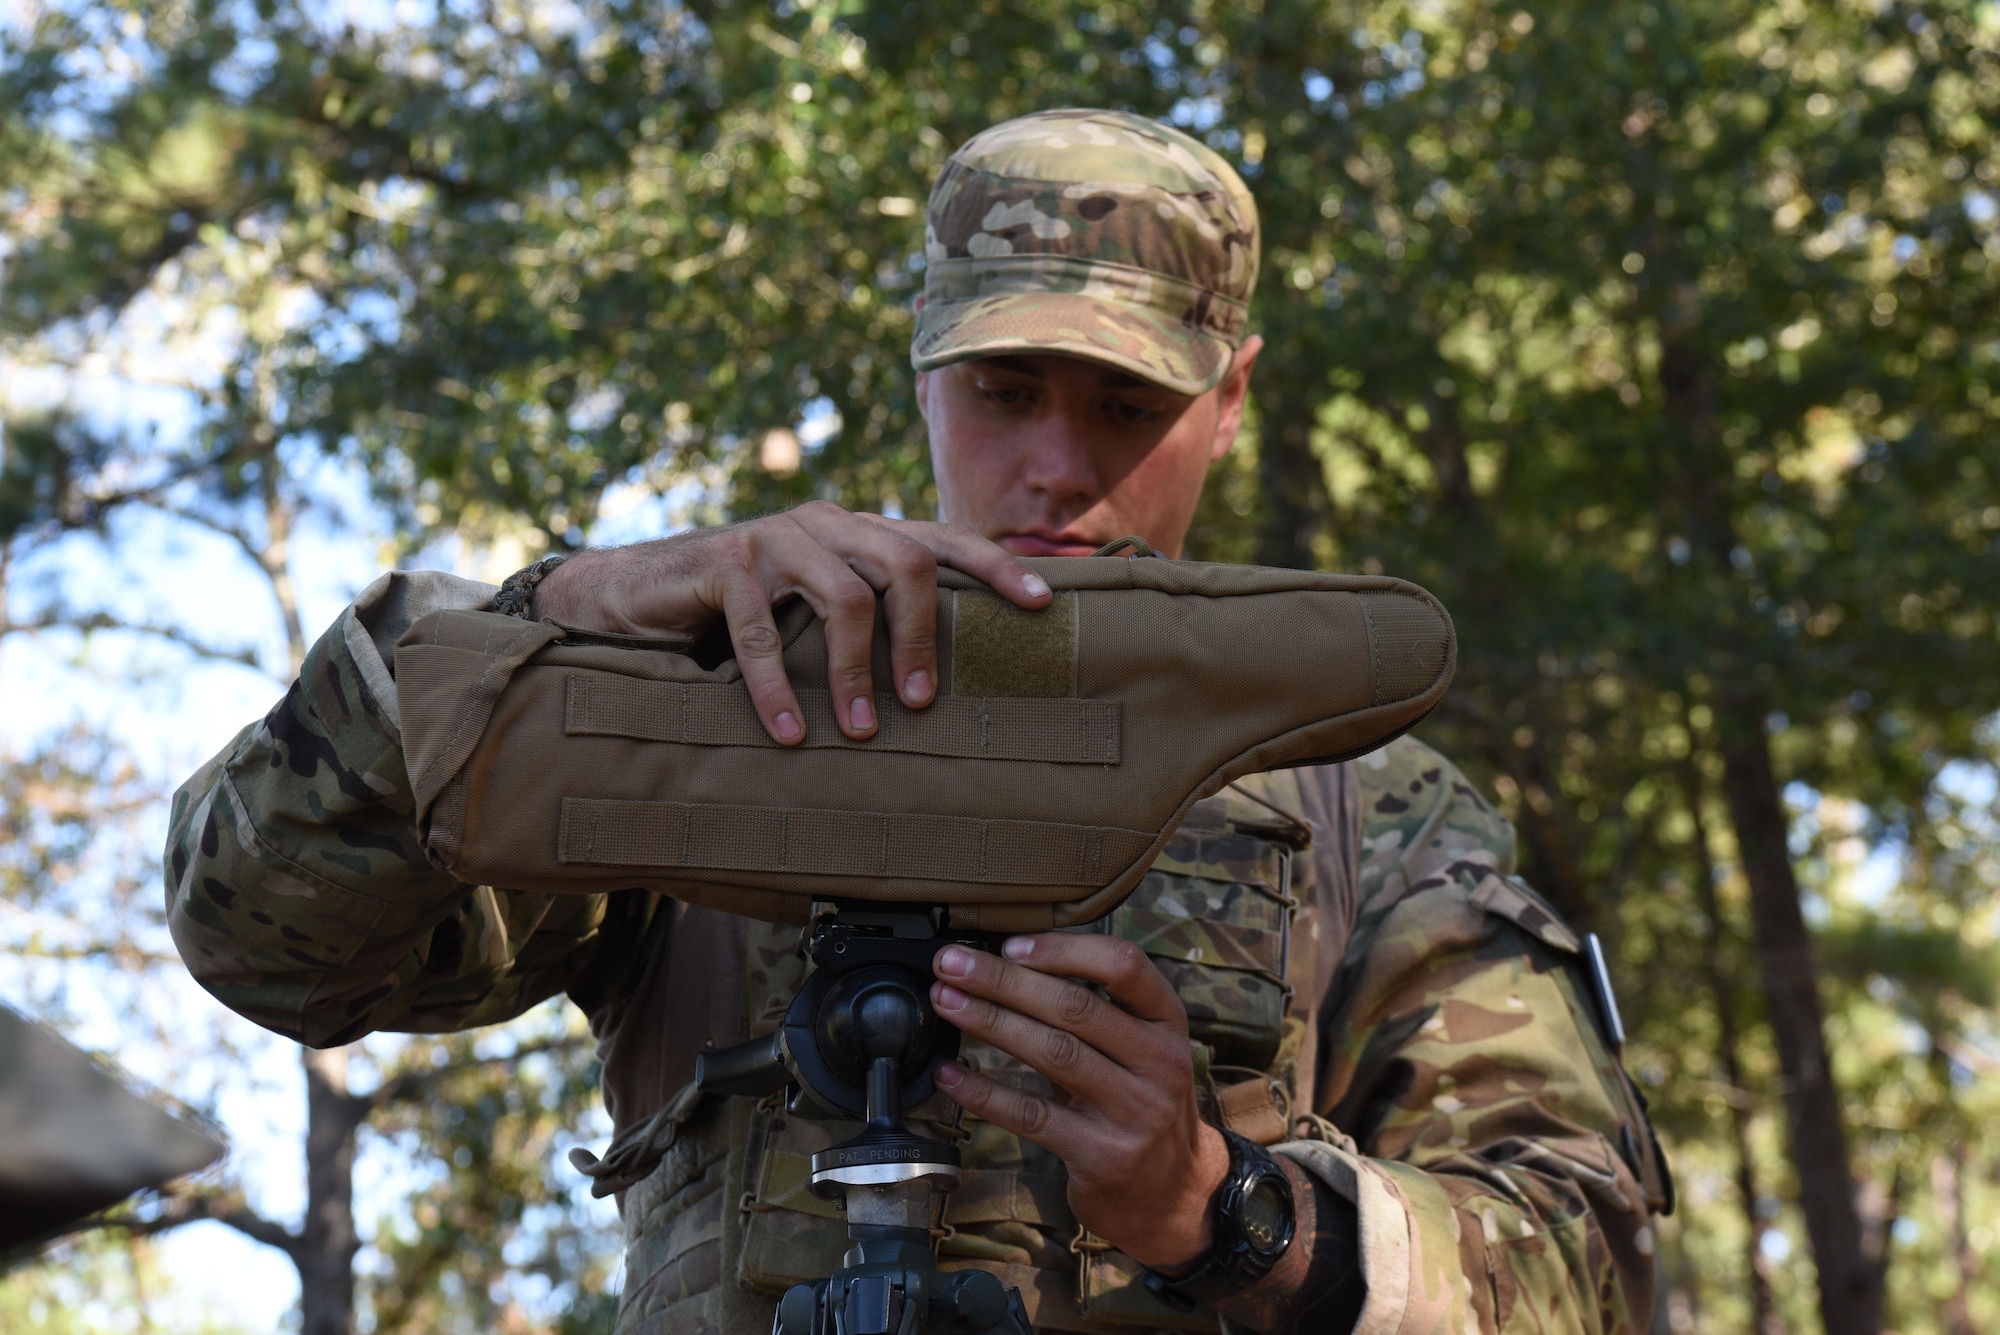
{"x":836,"y":560}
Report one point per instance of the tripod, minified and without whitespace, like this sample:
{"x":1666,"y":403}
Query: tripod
{"x":861,"y":1040}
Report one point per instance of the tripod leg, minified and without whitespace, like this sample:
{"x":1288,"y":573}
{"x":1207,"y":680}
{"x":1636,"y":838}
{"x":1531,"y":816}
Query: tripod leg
{"x":975,"y":1301}
{"x":803,"y":1311}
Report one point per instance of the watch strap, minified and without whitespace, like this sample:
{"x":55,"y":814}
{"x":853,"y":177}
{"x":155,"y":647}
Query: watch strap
{"x":518,"y":592}
{"x":1232,"y":1263}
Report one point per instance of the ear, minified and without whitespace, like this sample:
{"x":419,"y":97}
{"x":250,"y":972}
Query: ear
{"x":1230,"y":396}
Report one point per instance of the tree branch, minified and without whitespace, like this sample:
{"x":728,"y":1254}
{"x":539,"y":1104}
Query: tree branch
{"x":259,"y":1229}
{"x":121,"y":954}
{"x":81,"y":510}
{"x":415,"y":1085}
{"x":105,"y":621}
{"x":176,"y":1210}
{"x":217,"y":526}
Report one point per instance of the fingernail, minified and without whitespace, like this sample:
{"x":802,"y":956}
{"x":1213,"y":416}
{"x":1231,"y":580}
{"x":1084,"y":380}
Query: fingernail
{"x":1018,"y":947}
{"x":950,"y":1075}
{"x":955,"y":961}
{"x":1033,"y":585}
{"x":862,"y":712}
{"x":788,"y":727}
{"x":917,"y":687}
{"x":949,"y":998}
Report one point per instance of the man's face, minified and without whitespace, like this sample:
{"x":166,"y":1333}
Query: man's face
{"x":1055,"y":456}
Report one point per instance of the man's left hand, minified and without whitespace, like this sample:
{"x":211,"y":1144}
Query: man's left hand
{"x":1143,"y":1165}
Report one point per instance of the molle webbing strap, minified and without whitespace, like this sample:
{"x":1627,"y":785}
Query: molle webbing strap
{"x":966,"y":850}
{"x":1076,"y":732}
{"x":1010,"y":1196}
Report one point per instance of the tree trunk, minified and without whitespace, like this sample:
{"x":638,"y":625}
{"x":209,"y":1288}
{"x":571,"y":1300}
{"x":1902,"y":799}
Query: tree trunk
{"x":276,"y":560}
{"x":327,"y":1242}
{"x":1850,"y":1290}
{"x":1722,"y":989}
{"x":1545,"y":822}
{"x":1948,"y":1187}
{"x":1850,"y":1287}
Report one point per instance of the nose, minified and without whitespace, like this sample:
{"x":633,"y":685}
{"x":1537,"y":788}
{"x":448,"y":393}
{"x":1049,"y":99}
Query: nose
{"x":1060,"y":462}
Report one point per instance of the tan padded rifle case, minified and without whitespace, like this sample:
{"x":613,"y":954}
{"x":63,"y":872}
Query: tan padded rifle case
{"x":1063,"y":748}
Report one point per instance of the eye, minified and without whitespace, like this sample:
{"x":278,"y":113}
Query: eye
{"x":1127,"y":412}
{"x":1005,"y":396}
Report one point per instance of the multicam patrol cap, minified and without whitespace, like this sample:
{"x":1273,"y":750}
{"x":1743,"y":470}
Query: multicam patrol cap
{"x":1096,"y":234}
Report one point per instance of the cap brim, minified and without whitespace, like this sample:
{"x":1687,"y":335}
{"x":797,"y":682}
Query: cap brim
{"x":1154,"y":346}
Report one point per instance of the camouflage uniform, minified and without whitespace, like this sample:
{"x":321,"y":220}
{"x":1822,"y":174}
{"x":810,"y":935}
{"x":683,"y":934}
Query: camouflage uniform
{"x":1421,"y":1007}
{"x":1462,"y":1095}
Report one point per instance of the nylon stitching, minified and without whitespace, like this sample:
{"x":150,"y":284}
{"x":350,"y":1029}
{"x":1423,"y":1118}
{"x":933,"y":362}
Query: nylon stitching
{"x":472,"y":703}
{"x":1374,"y":654}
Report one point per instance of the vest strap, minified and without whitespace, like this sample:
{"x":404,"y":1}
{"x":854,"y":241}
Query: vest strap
{"x":1251,"y":1108}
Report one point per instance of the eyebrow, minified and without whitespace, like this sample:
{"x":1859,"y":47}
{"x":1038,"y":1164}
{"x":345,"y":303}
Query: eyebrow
{"x":1114,"y":378}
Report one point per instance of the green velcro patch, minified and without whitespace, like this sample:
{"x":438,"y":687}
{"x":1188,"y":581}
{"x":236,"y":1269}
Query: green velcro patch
{"x":1000,"y":649}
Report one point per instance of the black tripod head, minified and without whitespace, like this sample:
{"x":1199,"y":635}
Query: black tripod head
{"x":866,"y":1002}
{"x":860,"y":1040}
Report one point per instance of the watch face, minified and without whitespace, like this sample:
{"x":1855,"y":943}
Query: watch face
{"x":1266,"y":1214}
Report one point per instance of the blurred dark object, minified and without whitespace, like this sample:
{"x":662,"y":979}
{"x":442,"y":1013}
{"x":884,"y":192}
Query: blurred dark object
{"x":73,"y":1140}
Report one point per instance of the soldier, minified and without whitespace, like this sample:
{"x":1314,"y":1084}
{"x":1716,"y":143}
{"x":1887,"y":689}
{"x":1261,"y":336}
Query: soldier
{"x":1335,"y":963}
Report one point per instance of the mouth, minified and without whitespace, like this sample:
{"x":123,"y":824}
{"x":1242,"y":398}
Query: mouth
{"x":1048,"y":544}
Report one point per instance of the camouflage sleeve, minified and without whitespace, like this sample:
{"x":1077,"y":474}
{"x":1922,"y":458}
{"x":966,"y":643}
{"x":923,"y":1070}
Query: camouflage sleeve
{"x":298,"y":891}
{"x":1474,"y":1112}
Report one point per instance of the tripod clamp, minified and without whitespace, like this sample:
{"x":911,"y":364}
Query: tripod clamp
{"x":861,"y":1040}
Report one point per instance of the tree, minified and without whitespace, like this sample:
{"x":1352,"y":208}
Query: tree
{"x":1615,"y":350}
{"x":1658,"y":340}
{"x":81,"y":868}
{"x":73,"y":485}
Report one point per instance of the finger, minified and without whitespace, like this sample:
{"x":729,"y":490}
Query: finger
{"x":904,"y":571}
{"x":1057,"y":1129}
{"x":1068,"y":1059}
{"x":746,"y":606}
{"x":1121,"y":967}
{"x":846,"y":603}
{"x":982,"y":558}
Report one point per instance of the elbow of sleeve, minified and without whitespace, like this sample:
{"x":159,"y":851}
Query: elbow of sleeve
{"x":263,"y":998}
{"x":243,"y":973}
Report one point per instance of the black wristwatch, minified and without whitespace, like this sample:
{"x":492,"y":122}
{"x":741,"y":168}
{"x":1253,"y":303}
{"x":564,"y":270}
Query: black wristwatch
{"x":1253,"y":1217}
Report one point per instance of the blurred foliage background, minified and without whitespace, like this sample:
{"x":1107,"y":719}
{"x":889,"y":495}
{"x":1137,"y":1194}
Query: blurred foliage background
{"x":1659,"y":339}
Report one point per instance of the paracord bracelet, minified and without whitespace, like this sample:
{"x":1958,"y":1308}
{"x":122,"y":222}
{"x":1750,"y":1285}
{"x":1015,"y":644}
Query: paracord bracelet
{"x":518,"y":590}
